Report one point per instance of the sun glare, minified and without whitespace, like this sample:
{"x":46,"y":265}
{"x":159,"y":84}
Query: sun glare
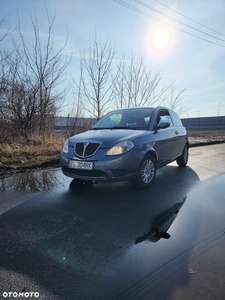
{"x":160,"y":38}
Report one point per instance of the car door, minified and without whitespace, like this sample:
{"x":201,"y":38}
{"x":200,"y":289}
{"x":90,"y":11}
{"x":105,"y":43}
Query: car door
{"x":181,"y":132}
{"x":167,"y":138}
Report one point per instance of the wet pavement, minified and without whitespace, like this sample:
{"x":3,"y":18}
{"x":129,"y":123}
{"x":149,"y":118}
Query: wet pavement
{"x":113,"y":241}
{"x":190,"y":263}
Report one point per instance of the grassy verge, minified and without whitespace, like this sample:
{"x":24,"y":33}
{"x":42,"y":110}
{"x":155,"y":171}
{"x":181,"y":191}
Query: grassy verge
{"x":206,"y":136}
{"x":31,"y":152}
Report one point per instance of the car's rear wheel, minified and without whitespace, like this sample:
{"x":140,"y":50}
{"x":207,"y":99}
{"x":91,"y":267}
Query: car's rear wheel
{"x":146,"y":172}
{"x":183,"y":159}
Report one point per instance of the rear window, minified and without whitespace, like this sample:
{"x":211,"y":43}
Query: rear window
{"x":175,"y":118}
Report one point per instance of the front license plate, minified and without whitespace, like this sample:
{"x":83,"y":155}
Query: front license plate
{"x":83,"y":165}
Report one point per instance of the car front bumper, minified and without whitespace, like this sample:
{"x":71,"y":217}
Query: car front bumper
{"x":105,"y":168}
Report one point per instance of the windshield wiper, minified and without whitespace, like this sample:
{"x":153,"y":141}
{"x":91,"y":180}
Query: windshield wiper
{"x":114,"y":127}
{"x":99,"y":128}
{"x":122,"y":127}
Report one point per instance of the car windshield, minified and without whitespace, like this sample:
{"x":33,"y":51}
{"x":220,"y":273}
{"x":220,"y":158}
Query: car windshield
{"x":125,"y":119}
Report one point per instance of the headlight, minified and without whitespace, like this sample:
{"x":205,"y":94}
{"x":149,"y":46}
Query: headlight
{"x":65,"y":147}
{"x":121,"y":148}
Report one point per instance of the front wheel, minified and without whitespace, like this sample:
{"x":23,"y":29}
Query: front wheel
{"x":79,"y":184}
{"x":183,"y":159}
{"x":146,"y":172}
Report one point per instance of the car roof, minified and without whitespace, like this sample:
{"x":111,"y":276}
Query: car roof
{"x":141,"y":107}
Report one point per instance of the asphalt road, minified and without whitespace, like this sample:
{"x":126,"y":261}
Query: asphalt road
{"x":101,"y":243}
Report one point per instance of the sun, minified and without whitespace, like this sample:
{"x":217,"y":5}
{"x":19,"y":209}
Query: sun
{"x":160,"y":38}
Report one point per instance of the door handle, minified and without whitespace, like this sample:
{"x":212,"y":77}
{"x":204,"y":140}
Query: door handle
{"x":176,"y":132}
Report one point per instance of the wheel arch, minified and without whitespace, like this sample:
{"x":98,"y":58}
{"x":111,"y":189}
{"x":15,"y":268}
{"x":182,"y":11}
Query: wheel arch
{"x":152,"y":153}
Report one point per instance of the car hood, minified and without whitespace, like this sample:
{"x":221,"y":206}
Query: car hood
{"x":107,"y":137}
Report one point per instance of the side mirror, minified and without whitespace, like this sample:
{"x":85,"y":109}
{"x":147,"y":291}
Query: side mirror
{"x":162,"y":125}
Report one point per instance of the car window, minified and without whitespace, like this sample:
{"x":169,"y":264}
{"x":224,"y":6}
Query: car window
{"x":147,"y":119}
{"x":175,"y":118}
{"x":125,"y":119}
{"x":164,"y":116}
{"x":114,"y":120}
{"x":109,"y":121}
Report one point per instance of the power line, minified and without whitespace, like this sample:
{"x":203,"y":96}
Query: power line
{"x":157,"y":19}
{"x":178,"y":21}
{"x":177,"y":12}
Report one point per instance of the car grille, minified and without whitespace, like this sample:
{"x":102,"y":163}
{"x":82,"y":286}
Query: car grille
{"x":85,"y":149}
{"x":119,"y":173}
{"x":86,"y":173}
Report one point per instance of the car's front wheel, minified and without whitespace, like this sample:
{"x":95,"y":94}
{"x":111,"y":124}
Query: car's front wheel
{"x":146,"y":172}
{"x":78,"y":184}
{"x":183,"y":159}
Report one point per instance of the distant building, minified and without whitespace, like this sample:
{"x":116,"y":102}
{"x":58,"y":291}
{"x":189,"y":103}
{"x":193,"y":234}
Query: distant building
{"x":204,"y":122}
{"x":67,"y":124}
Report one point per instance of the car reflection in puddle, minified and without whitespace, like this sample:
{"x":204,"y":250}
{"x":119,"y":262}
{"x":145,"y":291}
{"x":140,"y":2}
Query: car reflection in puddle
{"x":31,"y":181}
{"x":161,"y":225}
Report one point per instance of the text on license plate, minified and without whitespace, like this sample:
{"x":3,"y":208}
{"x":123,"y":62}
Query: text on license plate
{"x":84,"y":165}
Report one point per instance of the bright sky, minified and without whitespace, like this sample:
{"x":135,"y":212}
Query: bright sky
{"x":195,"y":64}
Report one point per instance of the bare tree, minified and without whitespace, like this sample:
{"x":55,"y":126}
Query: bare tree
{"x":137,"y":85}
{"x":97,"y":78}
{"x":46,"y":68}
{"x":174,"y":100}
{"x":4,"y":54}
{"x":76,"y":111}
{"x":17,"y":98}
{"x":7,"y":32}
{"x":122,"y":98}
{"x":131,"y":84}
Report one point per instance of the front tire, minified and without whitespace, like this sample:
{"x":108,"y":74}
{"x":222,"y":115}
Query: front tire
{"x":146,"y":172}
{"x":183,"y":159}
{"x":80,"y":184}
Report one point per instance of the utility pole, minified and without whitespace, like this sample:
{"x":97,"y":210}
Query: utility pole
{"x":219,"y":108}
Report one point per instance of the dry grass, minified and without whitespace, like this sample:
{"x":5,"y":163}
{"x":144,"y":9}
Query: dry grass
{"x":206,"y":136}
{"x":34,"y":151}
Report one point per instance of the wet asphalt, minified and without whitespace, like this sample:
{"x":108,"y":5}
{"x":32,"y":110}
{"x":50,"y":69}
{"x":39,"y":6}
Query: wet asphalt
{"x":114,"y":241}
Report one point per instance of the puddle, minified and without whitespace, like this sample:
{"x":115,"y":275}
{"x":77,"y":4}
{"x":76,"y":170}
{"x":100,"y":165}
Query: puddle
{"x":32,"y":181}
{"x":159,"y":265}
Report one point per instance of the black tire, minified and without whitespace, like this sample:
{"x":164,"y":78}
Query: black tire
{"x":80,"y":184}
{"x":183,"y":159}
{"x":88,"y":183}
{"x":146,"y":172}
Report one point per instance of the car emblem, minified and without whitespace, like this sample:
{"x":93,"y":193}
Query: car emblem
{"x":85,"y":146}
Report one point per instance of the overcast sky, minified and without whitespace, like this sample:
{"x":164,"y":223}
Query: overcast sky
{"x":196,"y":64}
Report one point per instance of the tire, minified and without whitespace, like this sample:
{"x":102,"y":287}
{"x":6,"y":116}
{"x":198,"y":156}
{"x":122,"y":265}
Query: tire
{"x":183,"y":159}
{"x":146,"y":172}
{"x":88,"y":183}
{"x":80,"y":184}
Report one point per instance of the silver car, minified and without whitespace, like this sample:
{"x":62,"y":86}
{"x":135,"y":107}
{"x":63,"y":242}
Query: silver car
{"x":126,"y":144}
